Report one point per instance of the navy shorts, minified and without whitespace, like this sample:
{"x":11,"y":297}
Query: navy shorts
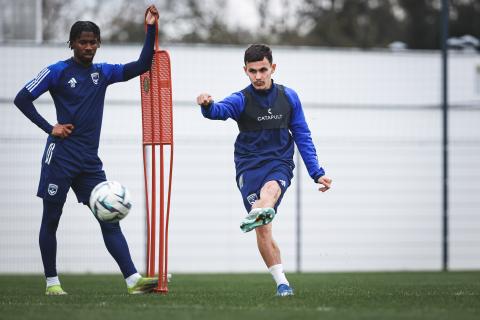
{"x":250,"y":182}
{"x":63,"y":168}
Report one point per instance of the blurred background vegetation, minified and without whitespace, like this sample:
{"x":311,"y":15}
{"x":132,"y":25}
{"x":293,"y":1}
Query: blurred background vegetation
{"x":330,"y":23}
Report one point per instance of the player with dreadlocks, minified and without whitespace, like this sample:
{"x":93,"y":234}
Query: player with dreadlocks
{"x":70,"y":160}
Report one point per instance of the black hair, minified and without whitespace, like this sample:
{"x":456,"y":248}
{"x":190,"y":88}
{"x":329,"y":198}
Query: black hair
{"x":256,"y":52}
{"x":83,"y":26}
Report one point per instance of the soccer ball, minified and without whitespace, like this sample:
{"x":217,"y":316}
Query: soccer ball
{"x":110,"y":201}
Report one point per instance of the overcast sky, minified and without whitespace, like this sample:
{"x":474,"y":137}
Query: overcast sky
{"x":243,"y":13}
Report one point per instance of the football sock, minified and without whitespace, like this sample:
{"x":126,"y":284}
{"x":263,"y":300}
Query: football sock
{"x":132,"y":280}
{"x":118,"y":247}
{"x":278,"y":274}
{"x":47,"y":238}
{"x":52,"y":281}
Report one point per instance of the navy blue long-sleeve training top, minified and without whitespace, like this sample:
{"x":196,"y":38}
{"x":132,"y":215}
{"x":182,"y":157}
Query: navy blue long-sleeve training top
{"x":78,"y":93}
{"x":252,"y":148}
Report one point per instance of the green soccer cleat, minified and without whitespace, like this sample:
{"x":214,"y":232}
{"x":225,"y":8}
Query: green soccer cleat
{"x":55,"y":290}
{"x":256,"y":218}
{"x":143,"y":285}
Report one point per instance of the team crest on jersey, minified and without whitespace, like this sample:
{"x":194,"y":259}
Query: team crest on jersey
{"x":252,"y":198}
{"x":52,"y":189}
{"x":95,"y":77}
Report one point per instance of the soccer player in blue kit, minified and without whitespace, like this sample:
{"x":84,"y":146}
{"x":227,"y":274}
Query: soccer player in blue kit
{"x":70,"y":159}
{"x":270,"y":119}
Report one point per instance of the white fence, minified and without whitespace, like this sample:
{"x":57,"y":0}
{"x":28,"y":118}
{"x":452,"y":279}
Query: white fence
{"x":376,"y":122}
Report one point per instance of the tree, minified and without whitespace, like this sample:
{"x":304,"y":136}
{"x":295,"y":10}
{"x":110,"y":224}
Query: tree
{"x":332,"y":23}
{"x":206,"y":23}
{"x":361,"y":23}
{"x":465,"y":18}
{"x":53,"y":20}
{"x":422,"y":23}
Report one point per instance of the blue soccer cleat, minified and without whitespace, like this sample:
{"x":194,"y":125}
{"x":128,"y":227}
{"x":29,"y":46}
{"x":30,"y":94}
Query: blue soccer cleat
{"x":256,"y":218}
{"x":284,"y":290}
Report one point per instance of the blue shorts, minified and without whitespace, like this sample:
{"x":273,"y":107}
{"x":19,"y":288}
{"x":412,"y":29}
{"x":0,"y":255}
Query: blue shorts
{"x":63,"y":168}
{"x":250,"y":182}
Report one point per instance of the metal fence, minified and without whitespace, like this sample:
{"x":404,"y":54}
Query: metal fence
{"x":375,"y":119}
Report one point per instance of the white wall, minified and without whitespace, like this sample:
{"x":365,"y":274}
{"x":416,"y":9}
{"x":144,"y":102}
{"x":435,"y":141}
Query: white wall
{"x":374,"y":118}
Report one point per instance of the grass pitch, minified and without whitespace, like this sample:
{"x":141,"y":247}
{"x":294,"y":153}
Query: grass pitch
{"x":407,"y":295}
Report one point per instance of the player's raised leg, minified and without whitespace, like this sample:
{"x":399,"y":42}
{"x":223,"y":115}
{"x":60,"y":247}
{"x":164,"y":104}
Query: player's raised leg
{"x":262,"y":212}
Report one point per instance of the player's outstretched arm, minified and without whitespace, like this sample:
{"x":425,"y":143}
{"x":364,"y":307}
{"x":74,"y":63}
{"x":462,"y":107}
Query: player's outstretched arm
{"x":144,"y":62}
{"x":326,"y":182}
{"x":230,"y":107}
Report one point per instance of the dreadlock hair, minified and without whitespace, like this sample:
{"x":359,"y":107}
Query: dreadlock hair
{"x":81,"y":26}
{"x":256,"y":52}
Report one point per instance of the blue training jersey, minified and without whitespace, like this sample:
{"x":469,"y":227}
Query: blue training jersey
{"x":78,"y":93}
{"x":255,"y":148}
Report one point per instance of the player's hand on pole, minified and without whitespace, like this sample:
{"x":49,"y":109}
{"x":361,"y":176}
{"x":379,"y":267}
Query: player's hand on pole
{"x":204,"y":99}
{"x":326,"y":182}
{"x":62,"y":130}
{"x":152,"y":15}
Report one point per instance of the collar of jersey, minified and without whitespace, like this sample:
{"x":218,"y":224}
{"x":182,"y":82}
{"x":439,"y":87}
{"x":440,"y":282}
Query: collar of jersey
{"x":263,"y":92}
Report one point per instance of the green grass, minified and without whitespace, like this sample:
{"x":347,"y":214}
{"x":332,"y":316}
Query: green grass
{"x":406,"y":295}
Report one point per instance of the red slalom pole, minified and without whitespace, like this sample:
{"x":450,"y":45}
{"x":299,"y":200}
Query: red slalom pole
{"x":157,"y":126}
{"x":150,"y":272}
{"x":153,"y":214}
{"x":162,"y":287}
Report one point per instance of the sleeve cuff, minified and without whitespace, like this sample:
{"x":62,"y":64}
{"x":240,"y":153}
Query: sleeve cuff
{"x":207,"y":106}
{"x":48,"y":129}
{"x":321,"y":173}
{"x":206,"y":110}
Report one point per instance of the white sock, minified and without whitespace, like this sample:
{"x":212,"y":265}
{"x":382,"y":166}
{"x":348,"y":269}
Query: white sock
{"x":52,"y":281}
{"x":278,"y":274}
{"x":132,"y":280}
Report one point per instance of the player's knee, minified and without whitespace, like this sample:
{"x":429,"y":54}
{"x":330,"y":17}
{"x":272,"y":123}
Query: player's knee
{"x":49,"y":226}
{"x":271,"y":189}
{"x":52,"y":212}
